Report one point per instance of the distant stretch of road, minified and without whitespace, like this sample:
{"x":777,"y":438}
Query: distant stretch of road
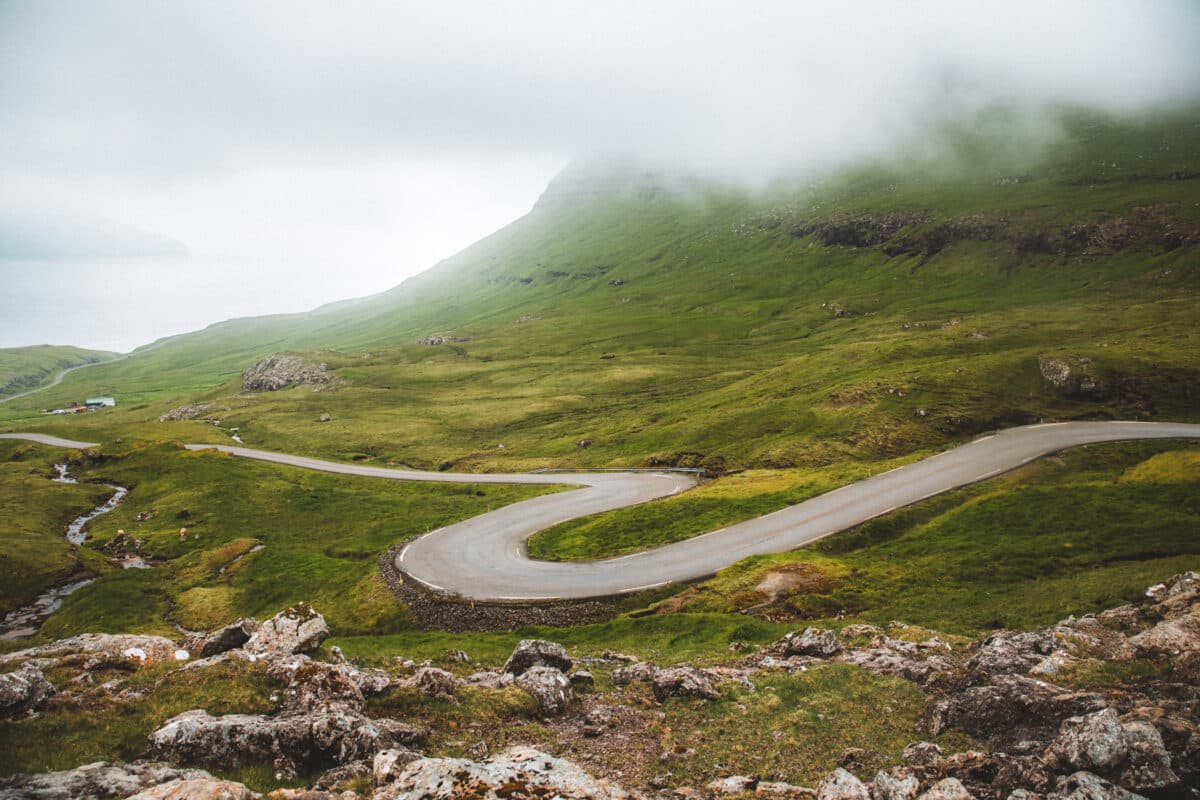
{"x":57,"y":380}
{"x":484,"y":558}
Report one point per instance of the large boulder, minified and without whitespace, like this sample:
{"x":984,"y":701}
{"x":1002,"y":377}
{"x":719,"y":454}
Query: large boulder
{"x":388,"y":764}
{"x":639,"y":672}
{"x":101,"y":647}
{"x":23,"y":690}
{"x":336,"y":735}
{"x":549,"y":687}
{"x":318,"y":685}
{"x":1011,"y":709}
{"x":99,"y":780}
{"x":516,"y":772}
{"x":946,"y":789}
{"x":1147,"y":765}
{"x":816,"y":642}
{"x":436,"y":683}
{"x":299,"y":629}
{"x":277,"y":371}
{"x":683,"y":682}
{"x":842,"y":785}
{"x":537,"y":653}
{"x":197,"y":789}
{"x":232,"y":636}
{"x":1093,"y":743}
{"x":898,"y":783}
{"x":1087,"y":786}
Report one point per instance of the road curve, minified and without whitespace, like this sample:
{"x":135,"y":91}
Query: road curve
{"x":57,"y":380}
{"x":484,"y":558}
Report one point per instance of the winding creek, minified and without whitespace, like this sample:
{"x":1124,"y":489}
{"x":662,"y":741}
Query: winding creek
{"x":25,"y":621}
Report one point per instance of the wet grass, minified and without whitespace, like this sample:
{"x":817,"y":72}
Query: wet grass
{"x":259,"y":538}
{"x":34,"y":553}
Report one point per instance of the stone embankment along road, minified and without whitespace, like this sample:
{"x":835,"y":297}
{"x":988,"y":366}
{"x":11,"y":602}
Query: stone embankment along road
{"x":484,"y":558}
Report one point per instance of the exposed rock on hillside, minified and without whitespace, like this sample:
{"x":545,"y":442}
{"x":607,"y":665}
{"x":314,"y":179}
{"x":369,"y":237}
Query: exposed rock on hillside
{"x":1133,"y":738}
{"x":916,"y":232}
{"x":98,"y":780}
{"x":537,"y":653}
{"x":517,"y":772}
{"x":299,"y":629}
{"x":23,"y":690}
{"x":277,"y":371}
{"x":190,"y":411}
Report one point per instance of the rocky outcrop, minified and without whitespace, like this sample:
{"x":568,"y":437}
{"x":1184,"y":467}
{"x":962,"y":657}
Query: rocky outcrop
{"x":100,"y":780}
{"x":550,"y":688}
{"x":537,"y":653}
{"x":808,"y":642}
{"x":641,"y":671}
{"x":221,"y":640}
{"x":197,"y":789}
{"x":275,"y":372}
{"x":516,"y":772}
{"x":298,"y":629}
{"x":23,"y":690}
{"x":683,"y":682}
{"x":436,"y":683}
{"x":336,"y":734}
{"x":842,"y":785}
{"x":99,"y":647}
{"x":190,"y":411}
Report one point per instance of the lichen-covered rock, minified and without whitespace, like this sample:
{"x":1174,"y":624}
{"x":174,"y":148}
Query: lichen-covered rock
{"x":897,"y":783}
{"x":317,"y":685}
{"x":117,"y":647}
{"x":921,"y":753}
{"x":23,"y":690}
{"x":1011,"y":709}
{"x":1086,"y":786}
{"x":582,"y":680}
{"x":517,"y":772}
{"x":222,"y":640}
{"x":549,"y":687}
{"x":1092,"y":743}
{"x":816,"y":642}
{"x":489,"y":679}
{"x":190,"y":411}
{"x":1172,"y":636}
{"x":946,"y":789}
{"x":734,"y":784}
{"x":436,"y":683}
{"x":388,"y":764}
{"x":299,"y":629}
{"x":842,"y":785}
{"x":277,"y":371}
{"x":1147,"y":764}
{"x":197,"y":789}
{"x":99,"y":780}
{"x":335,"y":735}
{"x":683,"y":682}
{"x":641,"y":671}
{"x":537,"y":653}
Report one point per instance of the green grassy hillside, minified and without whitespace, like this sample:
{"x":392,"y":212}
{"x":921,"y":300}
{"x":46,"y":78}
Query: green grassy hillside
{"x":879,"y":311}
{"x":25,"y":368}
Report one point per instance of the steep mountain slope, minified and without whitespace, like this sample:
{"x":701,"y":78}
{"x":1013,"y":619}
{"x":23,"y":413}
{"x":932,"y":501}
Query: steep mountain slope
{"x":25,"y":368}
{"x":879,"y":311}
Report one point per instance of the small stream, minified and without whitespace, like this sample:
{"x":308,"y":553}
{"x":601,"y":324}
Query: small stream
{"x":24,"y":621}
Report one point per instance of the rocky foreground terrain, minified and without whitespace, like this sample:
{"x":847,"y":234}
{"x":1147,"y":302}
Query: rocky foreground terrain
{"x":1031,"y":737}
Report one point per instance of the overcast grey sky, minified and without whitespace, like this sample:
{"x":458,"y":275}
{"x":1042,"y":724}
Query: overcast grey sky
{"x":165,"y":165}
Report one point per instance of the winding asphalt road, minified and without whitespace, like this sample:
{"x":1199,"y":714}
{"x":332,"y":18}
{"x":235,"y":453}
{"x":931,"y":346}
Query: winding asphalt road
{"x":484,"y":558}
{"x":57,"y":380}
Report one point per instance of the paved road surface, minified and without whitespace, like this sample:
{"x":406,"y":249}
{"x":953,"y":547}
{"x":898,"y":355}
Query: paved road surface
{"x":484,"y":558}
